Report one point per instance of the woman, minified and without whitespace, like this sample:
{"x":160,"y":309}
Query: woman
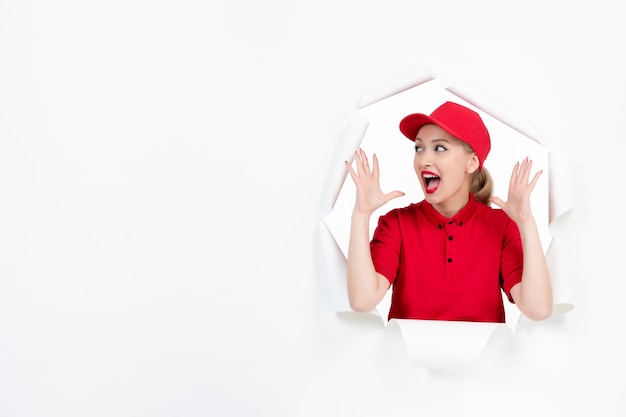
{"x":449,"y":256}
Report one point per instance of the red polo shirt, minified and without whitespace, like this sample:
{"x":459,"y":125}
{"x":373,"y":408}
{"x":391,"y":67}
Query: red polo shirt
{"x":448,"y":268}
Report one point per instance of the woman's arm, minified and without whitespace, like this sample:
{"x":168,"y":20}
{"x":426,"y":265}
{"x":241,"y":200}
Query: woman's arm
{"x":366,"y":287}
{"x":533,"y":295}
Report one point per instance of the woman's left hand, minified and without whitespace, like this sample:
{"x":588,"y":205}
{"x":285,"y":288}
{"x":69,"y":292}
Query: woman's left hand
{"x":518,"y":204}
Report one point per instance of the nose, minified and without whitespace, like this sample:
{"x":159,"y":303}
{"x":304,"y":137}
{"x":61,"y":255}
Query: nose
{"x":423,"y":159}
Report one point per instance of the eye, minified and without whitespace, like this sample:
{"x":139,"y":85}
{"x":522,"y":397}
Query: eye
{"x":440,"y":148}
{"x":418,"y":149}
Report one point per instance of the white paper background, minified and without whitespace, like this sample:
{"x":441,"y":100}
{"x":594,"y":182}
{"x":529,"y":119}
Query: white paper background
{"x":162,"y":167}
{"x":440,"y":344}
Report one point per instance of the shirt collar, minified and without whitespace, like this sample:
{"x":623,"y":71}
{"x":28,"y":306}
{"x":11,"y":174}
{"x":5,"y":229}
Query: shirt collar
{"x":440,"y":221}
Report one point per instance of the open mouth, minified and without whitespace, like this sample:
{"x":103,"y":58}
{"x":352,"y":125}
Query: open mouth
{"x":431,"y":181}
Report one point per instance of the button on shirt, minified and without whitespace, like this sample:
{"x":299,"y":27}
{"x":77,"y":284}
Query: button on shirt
{"x":448,"y":268}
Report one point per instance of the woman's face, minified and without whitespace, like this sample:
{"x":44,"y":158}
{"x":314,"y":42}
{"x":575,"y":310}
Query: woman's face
{"x":443,"y":166}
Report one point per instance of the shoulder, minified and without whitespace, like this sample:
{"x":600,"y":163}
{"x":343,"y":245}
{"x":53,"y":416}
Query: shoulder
{"x":496,"y":219}
{"x":402,"y":217}
{"x":492,"y":213}
{"x":401,"y":213}
{"x":410,"y":209}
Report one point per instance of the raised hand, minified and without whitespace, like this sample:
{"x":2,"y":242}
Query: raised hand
{"x":518,"y":204}
{"x":369,"y":196}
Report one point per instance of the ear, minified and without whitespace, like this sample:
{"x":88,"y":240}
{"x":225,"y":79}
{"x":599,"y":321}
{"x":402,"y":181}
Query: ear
{"x":472,"y":164}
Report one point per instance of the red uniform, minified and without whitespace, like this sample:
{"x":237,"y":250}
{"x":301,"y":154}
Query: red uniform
{"x":448,"y":268}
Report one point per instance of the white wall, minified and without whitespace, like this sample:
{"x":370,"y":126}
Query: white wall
{"x":161,"y":170}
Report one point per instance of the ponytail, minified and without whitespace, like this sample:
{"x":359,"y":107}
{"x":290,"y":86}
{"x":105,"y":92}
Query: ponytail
{"x":481,"y":185}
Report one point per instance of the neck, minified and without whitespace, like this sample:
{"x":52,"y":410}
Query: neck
{"x":451,"y":207}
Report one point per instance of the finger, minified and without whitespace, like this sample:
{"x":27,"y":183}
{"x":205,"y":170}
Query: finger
{"x":351,"y":171}
{"x":394,"y":194}
{"x":521,"y":172}
{"x":531,"y":186}
{"x":366,"y":164}
{"x":521,"y":167}
{"x":375,"y":168}
{"x":358,"y":159}
{"x":527,"y":166}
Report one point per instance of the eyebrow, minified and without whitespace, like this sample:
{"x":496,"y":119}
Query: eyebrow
{"x":434,"y":140}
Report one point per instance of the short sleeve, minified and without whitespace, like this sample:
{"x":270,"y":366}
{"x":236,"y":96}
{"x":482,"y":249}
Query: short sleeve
{"x":512,"y":262}
{"x":386,"y":246}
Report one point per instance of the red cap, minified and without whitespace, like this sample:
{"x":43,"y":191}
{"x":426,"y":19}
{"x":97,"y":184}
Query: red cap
{"x":459,"y":121}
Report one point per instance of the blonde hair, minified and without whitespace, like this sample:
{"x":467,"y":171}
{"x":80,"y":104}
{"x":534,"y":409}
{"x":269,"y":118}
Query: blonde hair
{"x":481,"y":183}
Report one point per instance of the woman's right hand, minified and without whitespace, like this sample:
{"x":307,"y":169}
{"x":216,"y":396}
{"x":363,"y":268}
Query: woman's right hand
{"x":369,"y":196}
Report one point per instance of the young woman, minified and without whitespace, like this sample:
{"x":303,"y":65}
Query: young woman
{"x":449,"y":256}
